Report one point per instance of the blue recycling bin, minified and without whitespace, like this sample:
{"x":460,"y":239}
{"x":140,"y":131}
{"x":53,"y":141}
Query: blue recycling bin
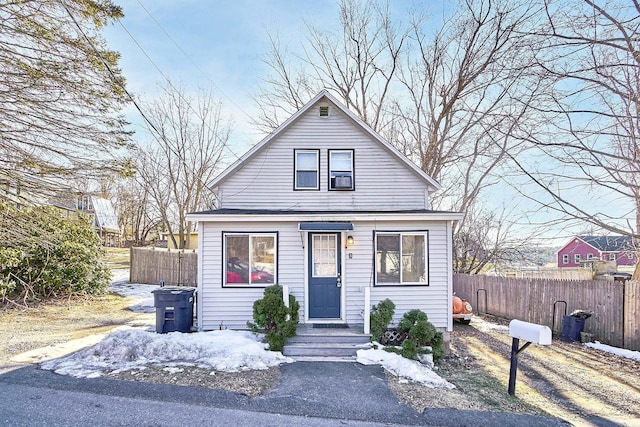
{"x":573,"y":325}
{"x":174,"y":309}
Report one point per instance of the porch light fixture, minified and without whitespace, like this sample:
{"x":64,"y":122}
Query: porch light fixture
{"x":350,"y":240}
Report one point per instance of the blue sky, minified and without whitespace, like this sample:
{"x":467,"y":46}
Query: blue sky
{"x":199,"y":42}
{"x":220,"y":42}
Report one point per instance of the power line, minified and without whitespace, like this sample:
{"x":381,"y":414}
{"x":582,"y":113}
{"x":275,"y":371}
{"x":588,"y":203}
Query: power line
{"x":186,"y":55}
{"x":156,"y":134}
{"x":170,"y":83}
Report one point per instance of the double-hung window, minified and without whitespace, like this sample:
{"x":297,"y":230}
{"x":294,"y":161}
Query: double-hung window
{"x":402,"y":258}
{"x":341,"y":176}
{"x":565,"y":258}
{"x":576,"y":258}
{"x":306,"y":169}
{"x":249,"y":259}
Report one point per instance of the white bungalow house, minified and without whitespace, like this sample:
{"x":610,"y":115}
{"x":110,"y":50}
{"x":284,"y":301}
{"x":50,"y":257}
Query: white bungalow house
{"x":327,"y":208}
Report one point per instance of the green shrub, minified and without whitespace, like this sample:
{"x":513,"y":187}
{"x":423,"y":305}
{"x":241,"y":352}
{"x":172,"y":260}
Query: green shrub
{"x":49,"y":256}
{"x":270,"y":317}
{"x":420,"y":333}
{"x":380,"y":317}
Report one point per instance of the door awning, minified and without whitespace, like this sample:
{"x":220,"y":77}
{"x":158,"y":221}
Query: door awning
{"x":325,"y":226}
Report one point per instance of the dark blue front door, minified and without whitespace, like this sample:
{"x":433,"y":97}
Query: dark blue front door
{"x":324,"y":275}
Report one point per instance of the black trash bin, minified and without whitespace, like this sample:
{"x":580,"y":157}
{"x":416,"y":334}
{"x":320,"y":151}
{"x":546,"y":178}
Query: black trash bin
{"x":174,"y":309}
{"x":573,"y":324}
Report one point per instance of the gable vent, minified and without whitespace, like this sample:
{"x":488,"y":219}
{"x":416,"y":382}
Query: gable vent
{"x":324,"y":111}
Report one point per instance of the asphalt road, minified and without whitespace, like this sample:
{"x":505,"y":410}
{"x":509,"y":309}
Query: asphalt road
{"x":309,"y":394}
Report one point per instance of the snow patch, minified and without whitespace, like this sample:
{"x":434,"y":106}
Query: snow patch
{"x":629,"y":354}
{"x":484,"y":326}
{"x":126,"y":349}
{"x":141,"y":296}
{"x":404,"y":368}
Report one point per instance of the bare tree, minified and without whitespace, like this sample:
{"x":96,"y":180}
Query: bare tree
{"x":487,"y":239}
{"x":455,"y":102}
{"x":591,"y":52}
{"x":359,"y":64}
{"x":470,"y":90}
{"x":189,"y":136}
{"x":137,"y":213}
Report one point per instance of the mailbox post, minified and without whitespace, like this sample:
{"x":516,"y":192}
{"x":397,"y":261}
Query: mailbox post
{"x":529,"y":332}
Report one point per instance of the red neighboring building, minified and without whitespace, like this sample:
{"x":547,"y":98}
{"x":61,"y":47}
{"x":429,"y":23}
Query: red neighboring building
{"x":620,"y":249}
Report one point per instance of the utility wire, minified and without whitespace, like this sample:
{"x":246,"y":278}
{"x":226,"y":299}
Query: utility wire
{"x":156,"y":134}
{"x":191,"y":60}
{"x":170,"y":83}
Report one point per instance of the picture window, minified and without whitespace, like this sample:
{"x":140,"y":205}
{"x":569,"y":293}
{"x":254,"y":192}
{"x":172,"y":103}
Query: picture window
{"x":250,"y":259}
{"x":401,"y":258}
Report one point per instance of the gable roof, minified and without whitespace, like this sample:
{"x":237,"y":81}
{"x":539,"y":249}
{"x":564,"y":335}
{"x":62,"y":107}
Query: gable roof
{"x":433,"y":184}
{"x":609,"y":243}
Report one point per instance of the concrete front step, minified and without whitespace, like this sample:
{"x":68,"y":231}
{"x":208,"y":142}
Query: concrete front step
{"x":311,"y":342}
{"x":344,"y":359}
{"x":344,"y":338}
{"x":323,"y":349}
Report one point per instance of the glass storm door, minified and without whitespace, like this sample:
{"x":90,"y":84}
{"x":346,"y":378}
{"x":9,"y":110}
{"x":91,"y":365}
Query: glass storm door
{"x":325,"y":282}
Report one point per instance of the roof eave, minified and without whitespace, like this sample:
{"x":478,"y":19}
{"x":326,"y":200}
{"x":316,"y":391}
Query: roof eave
{"x":325,"y":216}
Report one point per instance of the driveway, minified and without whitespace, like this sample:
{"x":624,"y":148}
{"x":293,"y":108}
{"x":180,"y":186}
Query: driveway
{"x":309,"y":393}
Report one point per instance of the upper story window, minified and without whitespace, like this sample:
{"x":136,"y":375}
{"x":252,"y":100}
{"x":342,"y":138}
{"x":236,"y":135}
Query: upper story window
{"x":565,"y":258}
{"x":589,"y":256}
{"x":306,"y":169}
{"x":576,"y":258}
{"x":341,"y":176}
{"x":612,"y":257}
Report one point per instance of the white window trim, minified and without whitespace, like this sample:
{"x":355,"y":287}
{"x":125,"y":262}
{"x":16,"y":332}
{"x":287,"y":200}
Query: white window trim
{"x":565,"y":258}
{"x":612,"y":256}
{"x":250,"y":235}
{"x":352,"y":171}
{"x":424,"y":233}
{"x":295,"y":169}
{"x":576,"y":258}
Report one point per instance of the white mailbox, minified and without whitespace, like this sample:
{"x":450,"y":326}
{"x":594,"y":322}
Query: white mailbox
{"x":537,"y":334}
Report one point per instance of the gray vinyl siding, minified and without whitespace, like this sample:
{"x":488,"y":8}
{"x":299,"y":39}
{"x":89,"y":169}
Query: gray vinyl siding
{"x":233,"y":307}
{"x":432,"y":299}
{"x":266,"y":181}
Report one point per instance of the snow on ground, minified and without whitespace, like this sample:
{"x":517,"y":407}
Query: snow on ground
{"x":405,"y":368}
{"x":484,"y":326}
{"x":119,"y":275}
{"x":629,"y":354}
{"x":126,"y":349}
{"x":141,"y":296}
{"x":230,"y":351}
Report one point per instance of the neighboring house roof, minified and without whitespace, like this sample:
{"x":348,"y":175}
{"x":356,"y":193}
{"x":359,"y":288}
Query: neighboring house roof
{"x":106,"y":217}
{"x":366,"y":128}
{"x":609,"y":243}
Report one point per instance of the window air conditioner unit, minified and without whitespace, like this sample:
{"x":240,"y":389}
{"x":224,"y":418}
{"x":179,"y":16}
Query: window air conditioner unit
{"x":342,"y":182}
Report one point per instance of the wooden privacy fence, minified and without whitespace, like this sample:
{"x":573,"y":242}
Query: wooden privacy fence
{"x":615,"y":305}
{"x":174,"y":267}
